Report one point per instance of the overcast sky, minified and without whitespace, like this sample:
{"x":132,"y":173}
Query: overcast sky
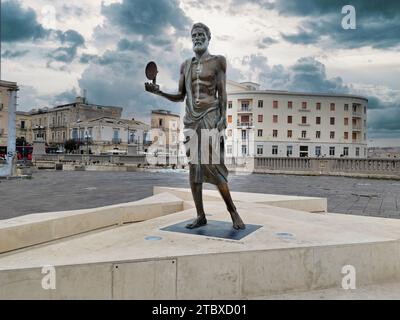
{"x":55,"y":49}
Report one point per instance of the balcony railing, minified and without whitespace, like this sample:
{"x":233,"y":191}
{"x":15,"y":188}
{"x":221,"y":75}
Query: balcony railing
{"x":304,"y":110}
{"x":116,"y":141}
{"x":247,"y":109}
{"x":357,"y":127}
{"x":245,"y":124}
{"x":357,"y":114}
{"x":304,"y":124}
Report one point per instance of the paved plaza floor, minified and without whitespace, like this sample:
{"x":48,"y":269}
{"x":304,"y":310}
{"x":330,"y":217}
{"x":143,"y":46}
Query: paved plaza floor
{"x":68,"y":190}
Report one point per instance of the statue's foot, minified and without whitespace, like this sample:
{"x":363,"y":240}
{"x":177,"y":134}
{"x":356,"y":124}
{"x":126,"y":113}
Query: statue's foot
{"x":237,"y":222}
{"x":198,"y":222}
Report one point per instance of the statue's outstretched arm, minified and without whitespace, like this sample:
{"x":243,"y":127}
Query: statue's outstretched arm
{"x":177,"y":97}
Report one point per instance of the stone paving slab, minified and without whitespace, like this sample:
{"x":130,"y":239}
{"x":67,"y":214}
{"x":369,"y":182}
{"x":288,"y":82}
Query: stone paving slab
{"x":50,"y":191}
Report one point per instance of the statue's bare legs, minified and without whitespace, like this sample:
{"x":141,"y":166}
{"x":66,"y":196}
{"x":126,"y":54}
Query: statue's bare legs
{"x":197,"y":192}
{"x":201,"y":217}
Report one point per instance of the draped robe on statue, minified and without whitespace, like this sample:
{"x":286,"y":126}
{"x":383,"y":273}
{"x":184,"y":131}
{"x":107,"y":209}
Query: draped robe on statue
{"x":200,"y":116}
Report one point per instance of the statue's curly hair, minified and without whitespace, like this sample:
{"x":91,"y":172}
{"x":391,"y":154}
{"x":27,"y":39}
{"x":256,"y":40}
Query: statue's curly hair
{"x":204,"y":27}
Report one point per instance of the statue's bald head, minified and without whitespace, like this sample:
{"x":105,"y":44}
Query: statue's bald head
{"x":206,"y":29}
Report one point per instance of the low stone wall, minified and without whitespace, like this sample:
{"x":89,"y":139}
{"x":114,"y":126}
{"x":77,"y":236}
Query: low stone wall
{"x":371,"y":168}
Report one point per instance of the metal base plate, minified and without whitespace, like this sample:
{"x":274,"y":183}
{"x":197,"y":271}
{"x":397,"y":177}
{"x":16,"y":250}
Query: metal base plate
{"x":213,"y":228}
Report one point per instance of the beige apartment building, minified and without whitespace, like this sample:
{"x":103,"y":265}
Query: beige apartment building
{"x":23,"y":125}
{"x":266,"y":123}
{"x":169,"y":124}
{"x":107,"y":135}
{"x":53,"y":124}
{"x":6,"y":89}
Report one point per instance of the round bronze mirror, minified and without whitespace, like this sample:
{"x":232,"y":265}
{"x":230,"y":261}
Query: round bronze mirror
{"x":151,"y":71}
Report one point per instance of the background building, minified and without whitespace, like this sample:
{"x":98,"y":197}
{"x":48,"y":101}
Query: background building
{"x":267,"y":123}
{"x":53,"y":124}
{"x":6,"y":88}
{"x":169,"y":124}
{"x":107,"y":134}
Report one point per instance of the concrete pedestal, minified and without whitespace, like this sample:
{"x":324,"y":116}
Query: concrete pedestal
{"x":125,"y":252}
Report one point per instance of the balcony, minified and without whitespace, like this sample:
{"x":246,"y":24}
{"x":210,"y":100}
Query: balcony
{"x":357,"y":127}
{"x":304,"y":124}
{"x":357,"y":114}
{"x":116,"y":141}
{"x":304,"y":110}
{"x":245,"y":110}
{"x":55,"y":125}
{"x":248,"y":124}
{"x":304,"y":138}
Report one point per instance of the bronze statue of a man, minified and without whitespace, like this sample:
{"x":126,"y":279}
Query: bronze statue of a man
{"x":203,"y":83}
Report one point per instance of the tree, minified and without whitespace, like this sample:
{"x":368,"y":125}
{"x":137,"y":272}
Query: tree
{"x":71,"y":145}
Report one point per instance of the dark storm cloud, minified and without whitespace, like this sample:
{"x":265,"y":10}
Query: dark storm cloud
{"x":72,"y":40}
{"x":86,"y":58}
{"x":125,"y":44}
{"x":306,"y":75}
{"x":266,"y":42}
{"x":117,"y":76}
{"x":19,"y":24}
{"x":378,"y":22}
{"x":8,"y":54}
{"x":149,"y":17}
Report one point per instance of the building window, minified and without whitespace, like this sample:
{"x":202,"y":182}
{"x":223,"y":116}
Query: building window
{"x":365,"y":136}
{"x":304,"y":120}
{"x":304,"y":134}
{"x":289,"y":151}
{"x":365,"y":109}
{"x":304,"y":105}
{"x":275,"y":104}
{"x":346,"y":121}
{"x":160,"y":122}
{"x":290,"y":104}
{"x":331,"y":151}
{"x":289,"y":133}
{"x":289,"y":119}
{"x":259,"y":149}
{"x":274,"y":149}
{"x":332,"y":135}
{"x":318,"y":151}
{"x":259,"y":133}
{"x":357,"y":152}
{"x":345,"y":151}
{"x":318,"y":107}
{"x":275,"y":118}
{"x":244,"y":149}
{"x":332,"y":121}
{"x":22,"y":124}
{"x":229,"y":119}
{"x":229,"y":149}
{"x":260,"y":118}
{"x":244,"y":134}
{"x":318,"y":134}
{"x":260,"y":103}
{"x":74,"y":134}
{"x":245,"y":105}
{"x":332,"y":107}
{"x":275,"y":133}
{"x":318,"y":120}
{"x":229,"y":104}
{"x":230,"y":133}
{"x":346,"y":107}
{"x":346,"y":135}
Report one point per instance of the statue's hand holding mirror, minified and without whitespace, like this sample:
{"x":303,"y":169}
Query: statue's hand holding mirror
{"x":151,"y":74}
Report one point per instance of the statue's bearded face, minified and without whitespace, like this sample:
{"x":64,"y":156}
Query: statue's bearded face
{"x":199,"y":40}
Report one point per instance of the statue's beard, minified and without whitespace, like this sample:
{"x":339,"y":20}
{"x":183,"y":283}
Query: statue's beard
{"x":200,"y":48}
